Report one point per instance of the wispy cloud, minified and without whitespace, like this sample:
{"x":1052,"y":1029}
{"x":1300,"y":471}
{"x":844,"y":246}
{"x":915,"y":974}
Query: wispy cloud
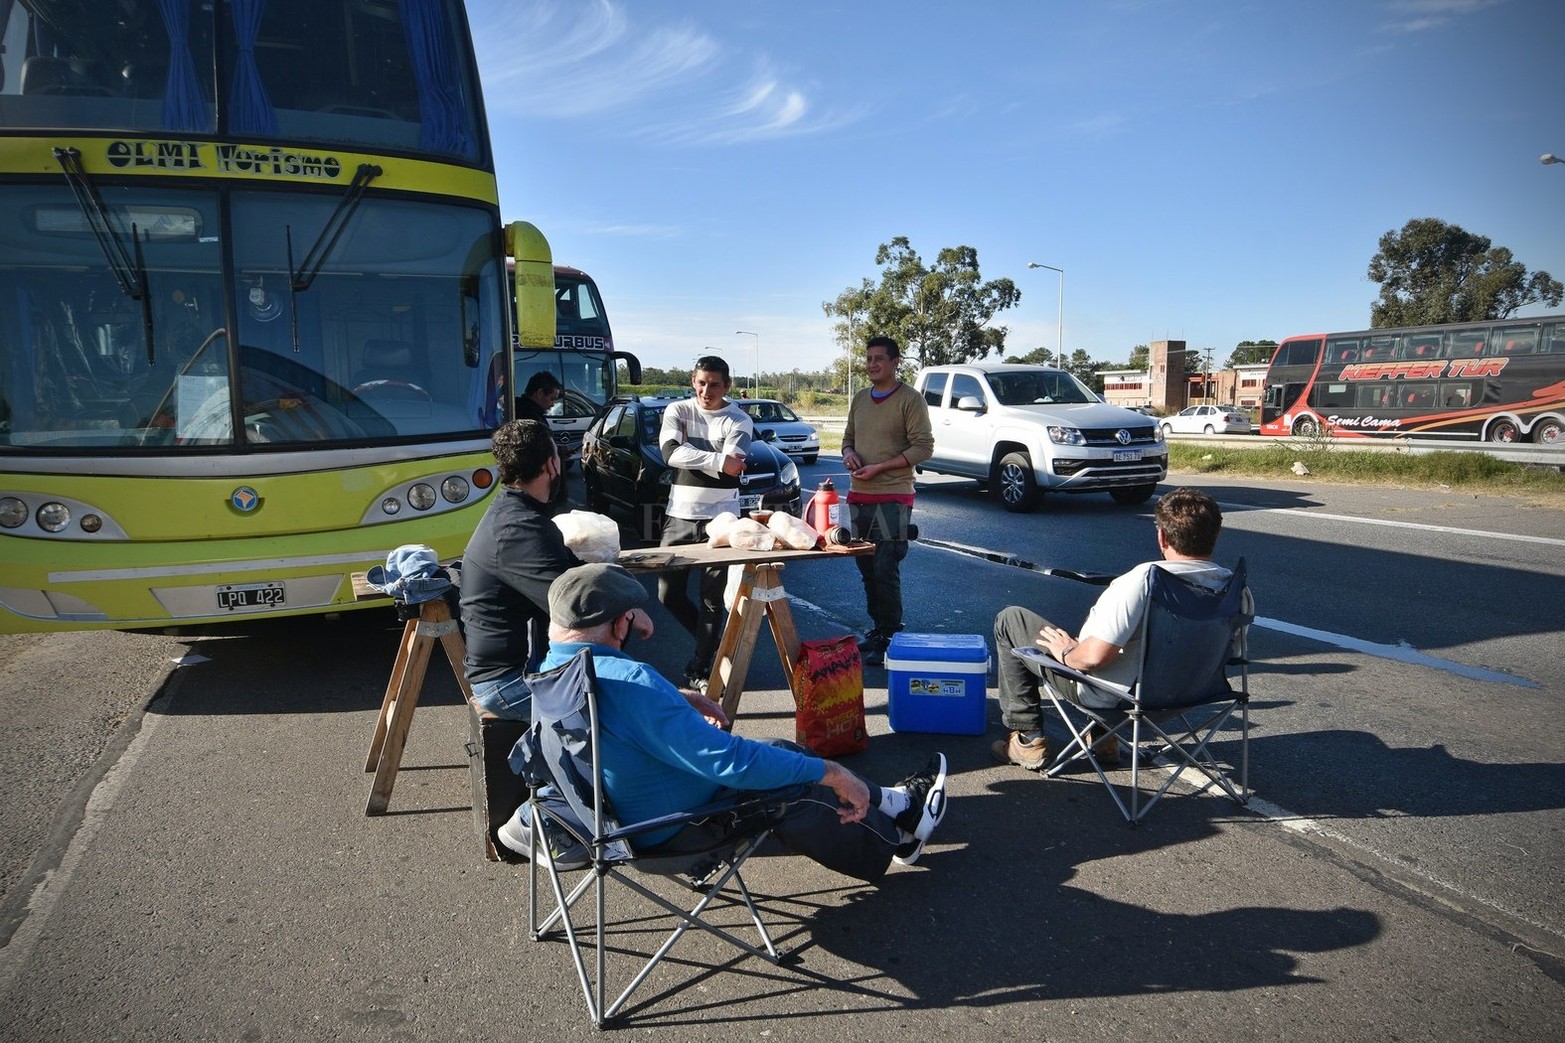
{"x":676,"y":83}
{"x":1417,"y":16}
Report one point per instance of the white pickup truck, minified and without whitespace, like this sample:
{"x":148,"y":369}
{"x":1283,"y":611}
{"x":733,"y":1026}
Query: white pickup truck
{"x":1026,"y":430}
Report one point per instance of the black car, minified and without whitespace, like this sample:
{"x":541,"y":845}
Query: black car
{"x":622,"y":466}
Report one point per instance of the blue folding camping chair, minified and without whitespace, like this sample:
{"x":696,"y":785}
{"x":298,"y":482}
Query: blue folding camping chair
{"x":1192,"y":679}
{"x":573,"y":827}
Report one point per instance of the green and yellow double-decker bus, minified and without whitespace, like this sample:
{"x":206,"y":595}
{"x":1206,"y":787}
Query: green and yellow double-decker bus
{"x":253,"y":303}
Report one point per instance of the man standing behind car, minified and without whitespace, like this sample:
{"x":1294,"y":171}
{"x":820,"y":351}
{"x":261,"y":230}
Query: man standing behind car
{"x":543,"y":390}
{"x":705,"y":440}
{"x":887,"y":435}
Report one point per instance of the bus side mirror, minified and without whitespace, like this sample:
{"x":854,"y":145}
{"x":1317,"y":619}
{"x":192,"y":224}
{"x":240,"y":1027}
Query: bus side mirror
{"x":534,"y":284}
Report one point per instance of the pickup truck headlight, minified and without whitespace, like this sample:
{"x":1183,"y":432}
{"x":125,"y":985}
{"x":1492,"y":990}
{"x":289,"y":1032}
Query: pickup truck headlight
{"x":1065,"y":435}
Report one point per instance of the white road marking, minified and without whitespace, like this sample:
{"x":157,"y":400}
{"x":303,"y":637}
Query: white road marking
{"x":1399,"y":653}
{"x":1294,"y":512}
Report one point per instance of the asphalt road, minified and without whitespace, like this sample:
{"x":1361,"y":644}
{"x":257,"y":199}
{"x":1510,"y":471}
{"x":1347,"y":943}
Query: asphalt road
{"x":184,"y":854}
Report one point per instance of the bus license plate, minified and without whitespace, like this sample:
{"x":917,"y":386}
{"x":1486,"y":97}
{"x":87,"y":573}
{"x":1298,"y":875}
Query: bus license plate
{"x":1127,"y":456}
{"x":750,"y":503}
{"x":250,"y":595}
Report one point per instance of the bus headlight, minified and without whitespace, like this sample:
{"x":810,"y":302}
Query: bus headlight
{"x":91,"y":523}
{"x":52,"y":517}
{"x":391,"y":505}
{"x":454,"y":489}
{"x":13,"y":513}
{"x":421,"y":496}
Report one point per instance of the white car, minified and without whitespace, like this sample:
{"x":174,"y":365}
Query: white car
{"x":1207,"y":420}
{"x":1026,"y":430}
{"x":789,"y":434}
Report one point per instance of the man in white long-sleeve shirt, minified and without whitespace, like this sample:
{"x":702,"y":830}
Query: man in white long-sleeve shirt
{"x":705,"y":440}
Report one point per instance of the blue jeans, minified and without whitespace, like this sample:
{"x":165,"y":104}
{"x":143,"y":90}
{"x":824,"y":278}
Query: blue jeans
{"x":506,"y":696}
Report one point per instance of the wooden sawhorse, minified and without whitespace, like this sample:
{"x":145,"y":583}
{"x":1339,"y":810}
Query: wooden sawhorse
{"x":433,"y":623}
{"x":760,"y":595}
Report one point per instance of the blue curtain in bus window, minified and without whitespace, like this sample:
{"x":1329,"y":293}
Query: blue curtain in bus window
{"x":252,"y":111}
{"x":445,"y":124}
{"x":183,"y":108}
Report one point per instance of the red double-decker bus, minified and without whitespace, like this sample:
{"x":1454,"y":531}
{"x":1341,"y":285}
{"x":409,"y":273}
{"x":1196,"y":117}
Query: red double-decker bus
{"x":1498,"y":381}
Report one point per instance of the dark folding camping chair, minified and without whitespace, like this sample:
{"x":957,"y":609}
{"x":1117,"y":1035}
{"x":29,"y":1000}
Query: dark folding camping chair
{"x":1191,"y":680}
{"x":568,"y":812}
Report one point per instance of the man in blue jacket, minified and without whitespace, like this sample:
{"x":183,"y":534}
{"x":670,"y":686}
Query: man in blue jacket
{"x":664,"y":750}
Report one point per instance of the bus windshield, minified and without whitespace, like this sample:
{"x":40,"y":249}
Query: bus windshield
{"x":384,"y":342}
{"x":382,"y":74}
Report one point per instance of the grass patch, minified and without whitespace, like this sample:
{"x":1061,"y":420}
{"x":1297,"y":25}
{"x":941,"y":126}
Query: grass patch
{"x":1275,"y":459}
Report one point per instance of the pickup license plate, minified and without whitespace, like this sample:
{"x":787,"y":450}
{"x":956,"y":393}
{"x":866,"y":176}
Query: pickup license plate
{"x":750,"y":503}
{"x":250,"y":595}
{"x":1127,"y":456}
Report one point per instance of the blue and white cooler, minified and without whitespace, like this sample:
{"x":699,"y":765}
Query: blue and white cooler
{"x":937,"y":683}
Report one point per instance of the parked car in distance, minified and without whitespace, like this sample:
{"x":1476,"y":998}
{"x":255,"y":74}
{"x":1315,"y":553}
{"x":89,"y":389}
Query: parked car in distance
{"x":1025,"y":430}
{"x":1207,"y":420}
{"x":792,"y":435}
{"x":568,"y":419}
{"x":622,"y":467}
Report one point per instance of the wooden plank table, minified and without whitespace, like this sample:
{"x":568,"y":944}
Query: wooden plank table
{"x":760,"y":595}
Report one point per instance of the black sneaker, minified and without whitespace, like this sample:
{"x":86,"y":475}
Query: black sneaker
{"x":926,"y":791}
{"x":872,"y":650}
{"x":696,"y":676}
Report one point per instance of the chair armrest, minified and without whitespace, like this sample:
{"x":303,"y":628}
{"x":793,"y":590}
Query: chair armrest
{"x":1041,"y":658}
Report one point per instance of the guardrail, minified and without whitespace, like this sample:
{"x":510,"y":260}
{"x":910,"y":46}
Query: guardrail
{"x":1511,"y":452}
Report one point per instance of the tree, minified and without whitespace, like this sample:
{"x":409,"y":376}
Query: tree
{"x":1085,"y":369}
{"x":1433,"y":272}
{"x":1035,"y":357}
{"x":1140,"y":357}
{"x":1251,"y":351}
{"x":939,"y":314}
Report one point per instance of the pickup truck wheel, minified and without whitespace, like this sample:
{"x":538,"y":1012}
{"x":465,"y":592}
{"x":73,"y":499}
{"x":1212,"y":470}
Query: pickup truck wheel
{"x":1131,"y":495}
{"x":1014,"y":482}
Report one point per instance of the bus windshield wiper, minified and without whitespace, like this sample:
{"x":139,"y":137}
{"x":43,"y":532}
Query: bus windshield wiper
{"x":326,"y":242}
{"x":129,"y":266}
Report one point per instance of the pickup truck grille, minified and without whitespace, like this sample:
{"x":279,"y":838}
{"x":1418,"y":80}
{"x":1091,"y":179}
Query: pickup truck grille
{"x":1108,"y":437}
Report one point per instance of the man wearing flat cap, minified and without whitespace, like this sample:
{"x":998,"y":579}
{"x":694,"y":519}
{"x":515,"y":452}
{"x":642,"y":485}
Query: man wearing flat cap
{"x":660,"y":756}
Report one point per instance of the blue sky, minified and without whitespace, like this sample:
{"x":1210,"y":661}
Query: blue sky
{"x":1206,"y":171}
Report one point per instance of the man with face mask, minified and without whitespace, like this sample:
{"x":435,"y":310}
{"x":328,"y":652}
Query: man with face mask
{"x":514,"y":554}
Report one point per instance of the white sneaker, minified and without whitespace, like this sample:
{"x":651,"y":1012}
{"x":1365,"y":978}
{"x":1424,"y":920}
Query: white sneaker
{"x":517,"y":836}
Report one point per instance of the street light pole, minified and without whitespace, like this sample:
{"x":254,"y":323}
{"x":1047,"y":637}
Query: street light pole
{"x":1548,"y":158}
{"x":755,"y":384}
{"x":1060,"y":353}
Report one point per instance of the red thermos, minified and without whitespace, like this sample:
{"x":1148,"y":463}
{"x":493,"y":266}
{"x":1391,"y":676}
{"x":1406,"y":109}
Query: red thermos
{"x":823,"y":507}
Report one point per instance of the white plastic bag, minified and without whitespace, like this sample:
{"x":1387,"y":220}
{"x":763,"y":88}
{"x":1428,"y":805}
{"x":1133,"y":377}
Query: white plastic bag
{"x":718,"y":528}
{"x":592,"y":537}
{"x":749,"y":534}
{"x":792,"y":532}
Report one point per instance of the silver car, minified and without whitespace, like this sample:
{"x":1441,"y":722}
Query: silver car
{"x":790,"y":434}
